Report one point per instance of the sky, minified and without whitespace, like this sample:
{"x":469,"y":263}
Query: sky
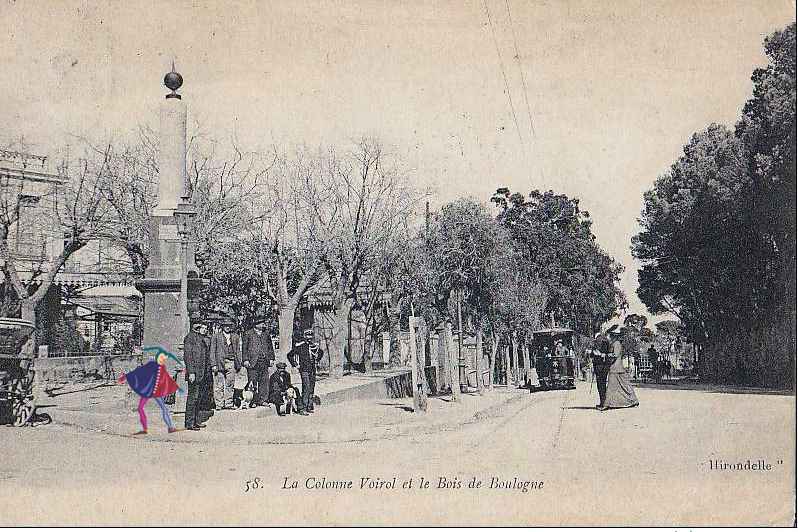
{"x":590,"y":99}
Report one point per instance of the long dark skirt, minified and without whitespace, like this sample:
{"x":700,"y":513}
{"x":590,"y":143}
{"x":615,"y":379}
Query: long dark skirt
{"x":620,"y":393}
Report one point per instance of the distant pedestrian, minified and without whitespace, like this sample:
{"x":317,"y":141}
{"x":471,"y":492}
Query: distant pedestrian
{"x":652,"y":355}
{"x":258,"y":354}
{"x":601,"y":351}
{"x":533,"y":380}
{"x":620,"y":393}
{"x":560,"y":350}
{"x":108,"y":342}
{"x":305,"y":354}
{"x":585,"y":365}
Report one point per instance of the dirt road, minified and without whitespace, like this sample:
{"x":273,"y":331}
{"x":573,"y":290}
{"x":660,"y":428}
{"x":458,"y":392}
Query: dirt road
{"x":548,"y":458}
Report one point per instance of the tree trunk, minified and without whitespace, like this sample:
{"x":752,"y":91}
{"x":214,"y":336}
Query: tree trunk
{"x":340,"y":338}
{"x":368,"y":354}
{"x":422,"y":363}
{"x":528,"y":361}
{"x":453,"y":372}
{"x":494,"y":344}
{"x":515,"y":360}
{"x":28,"y":312}
{"x":417,"y":368}
{"x":461,"y":373}
{"x":478,"y":360}
{"x":507,"y":372}
{"x":285,"y":322}
{"x":523,"y":368}
{"x":443,"y":359}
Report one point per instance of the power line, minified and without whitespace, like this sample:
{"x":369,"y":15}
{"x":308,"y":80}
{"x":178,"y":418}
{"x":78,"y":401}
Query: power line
{"x":504,"y":74}
{"x":523,"y":81}
{"x":521,"y":70}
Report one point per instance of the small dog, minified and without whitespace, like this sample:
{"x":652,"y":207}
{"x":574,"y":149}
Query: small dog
{"x":289,"y":400}
{"x":246,"y":398}
{"x":242,"y":390}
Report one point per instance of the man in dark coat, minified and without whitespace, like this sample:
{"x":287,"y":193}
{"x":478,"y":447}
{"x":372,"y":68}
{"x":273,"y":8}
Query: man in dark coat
{"x":653,"y":357}
{"x":602,"y":349}
{"x":257,"y":352}
{"x":207,"y":403}
{"x":197,"y":360}
{"x":279,"y":386}
{"x":306,"y":354}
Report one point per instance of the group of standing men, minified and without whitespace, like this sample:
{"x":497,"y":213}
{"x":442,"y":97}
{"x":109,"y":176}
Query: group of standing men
{"x":223,"y":366}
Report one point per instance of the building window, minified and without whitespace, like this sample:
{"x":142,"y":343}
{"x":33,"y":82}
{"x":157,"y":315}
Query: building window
{"x":30,"y":239}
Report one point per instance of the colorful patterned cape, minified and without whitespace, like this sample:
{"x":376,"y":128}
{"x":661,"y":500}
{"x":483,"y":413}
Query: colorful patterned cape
{"x":151,"y":380}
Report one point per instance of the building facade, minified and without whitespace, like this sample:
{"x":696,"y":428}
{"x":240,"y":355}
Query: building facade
{"x":76,"y":313}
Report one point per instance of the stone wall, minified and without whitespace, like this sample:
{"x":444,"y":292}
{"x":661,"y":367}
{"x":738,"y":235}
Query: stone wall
{"x":87,"y":369}
{"x":392,"y":386}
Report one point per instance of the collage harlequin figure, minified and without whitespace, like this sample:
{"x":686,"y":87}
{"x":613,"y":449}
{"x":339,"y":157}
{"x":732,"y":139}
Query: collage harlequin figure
{"x":152,"y":381}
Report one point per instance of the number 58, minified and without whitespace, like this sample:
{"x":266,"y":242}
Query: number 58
{"x":251,"y":485}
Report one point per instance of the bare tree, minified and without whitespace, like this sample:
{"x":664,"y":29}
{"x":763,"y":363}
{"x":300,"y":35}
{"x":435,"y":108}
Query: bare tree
{"x":516,"y":310}
{"x":225,"y":184}
{"x":222,"y":183}
{"x":358,"y":207}
{"x":129,"y":185}
{"x":288,"y":255}
{"x":66,"y":209}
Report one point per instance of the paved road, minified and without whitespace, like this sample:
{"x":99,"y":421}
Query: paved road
{"x":647,"y":465}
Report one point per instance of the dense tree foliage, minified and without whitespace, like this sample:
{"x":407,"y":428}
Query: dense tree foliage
{"x":718,"y":233}
{"x":553,"y":242}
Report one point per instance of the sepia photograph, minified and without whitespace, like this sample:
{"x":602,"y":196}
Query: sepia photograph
{"x":398,"y":263}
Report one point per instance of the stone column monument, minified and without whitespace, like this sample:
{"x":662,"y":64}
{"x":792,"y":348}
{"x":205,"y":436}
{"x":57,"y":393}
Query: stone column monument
{"x":161,"y":284}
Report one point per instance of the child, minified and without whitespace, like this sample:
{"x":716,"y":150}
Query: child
{"x":281,"y":391}
{"x":239,"y":384}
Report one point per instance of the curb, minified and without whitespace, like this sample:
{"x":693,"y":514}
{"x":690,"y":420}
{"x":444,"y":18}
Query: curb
{"x":375,"y":433}
{"x":712,"y":388}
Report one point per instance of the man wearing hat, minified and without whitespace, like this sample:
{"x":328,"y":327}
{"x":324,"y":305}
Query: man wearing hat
{"x":226,"y":356}
{"x":257,"y":353}
{"x":602,"y":349}
{"x":197,"y":360}
{"x":306,"y":354}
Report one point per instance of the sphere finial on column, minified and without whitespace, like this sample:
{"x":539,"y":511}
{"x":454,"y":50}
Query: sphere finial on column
{"x":173,"y":81}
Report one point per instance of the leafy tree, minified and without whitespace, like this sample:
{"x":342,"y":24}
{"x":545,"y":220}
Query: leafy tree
{"x":470,"y":252}
{"x":718,"y":233}
{"x":767,"y":131}
{"x":553,"y":242}
{"x":691,"y":235}
{"x":236,"y":283}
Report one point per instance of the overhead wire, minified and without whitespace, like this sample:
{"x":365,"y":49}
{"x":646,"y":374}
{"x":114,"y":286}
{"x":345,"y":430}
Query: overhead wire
{"x":520,"y":70}
{"x":523,"y":81}
{"x":504,"y":73}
